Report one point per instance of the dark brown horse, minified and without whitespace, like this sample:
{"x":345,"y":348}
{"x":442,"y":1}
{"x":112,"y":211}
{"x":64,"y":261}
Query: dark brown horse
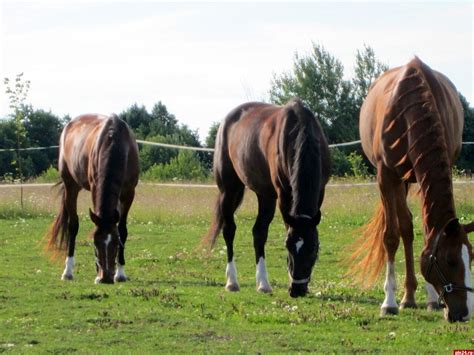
{"x":411,"y":127}
{"x":99,"y":154}
{"x":278,"y":152}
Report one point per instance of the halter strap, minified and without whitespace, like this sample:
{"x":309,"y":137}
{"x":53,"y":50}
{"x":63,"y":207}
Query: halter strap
{"x":298,"y":281}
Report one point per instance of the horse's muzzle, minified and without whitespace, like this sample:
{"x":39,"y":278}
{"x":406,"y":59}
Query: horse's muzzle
{"x":457,"y":317}
{"x":298,"y":290}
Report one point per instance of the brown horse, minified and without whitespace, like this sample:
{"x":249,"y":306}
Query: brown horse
{"x":278,"y":152}
{"x":99,"y":154}
{"x":411,"y":127}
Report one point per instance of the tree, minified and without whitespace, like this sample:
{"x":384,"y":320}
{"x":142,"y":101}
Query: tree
{"x":367,"y":69}
{"x":466,"y":159}
{"x":43,"y":130}
{"x":318,"y":80}
{"x":138,"y":118}
{"x":17,"y":95}
{"x":211,"y":135}
{"x":162,"y":123}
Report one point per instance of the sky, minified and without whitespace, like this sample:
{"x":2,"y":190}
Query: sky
{"x":203,"y":59}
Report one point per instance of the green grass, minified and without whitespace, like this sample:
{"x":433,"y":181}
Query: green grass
{"x":175,"y":300}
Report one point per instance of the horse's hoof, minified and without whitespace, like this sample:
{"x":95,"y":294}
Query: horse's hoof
{"x":120,"y":278}
{"x":66,"y":277}
{"x":232,"y":287}
{"x":404,"y":305}
{"x":433,"y":307}
{"x":385,"y":311}
{"x":263,"y":289}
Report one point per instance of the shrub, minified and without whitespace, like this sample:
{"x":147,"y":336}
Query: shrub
{"x":49,"y":175}
{"x":185,"y":166}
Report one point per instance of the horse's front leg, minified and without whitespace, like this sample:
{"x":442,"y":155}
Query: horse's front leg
{"x":125,"y":204}
{"x":266,"y":211}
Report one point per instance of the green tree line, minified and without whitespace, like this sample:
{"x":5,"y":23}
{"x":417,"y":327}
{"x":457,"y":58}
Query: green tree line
{"x":317,"y":78}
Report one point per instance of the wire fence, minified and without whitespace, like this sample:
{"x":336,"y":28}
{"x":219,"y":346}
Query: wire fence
{"x":164,"y":145}
{"x":185,"y":147}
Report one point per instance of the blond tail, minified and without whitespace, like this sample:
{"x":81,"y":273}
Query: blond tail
{"x":369,"y":258}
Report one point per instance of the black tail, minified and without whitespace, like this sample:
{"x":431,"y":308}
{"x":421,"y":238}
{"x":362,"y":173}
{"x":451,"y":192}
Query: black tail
{"x":209,"y":240}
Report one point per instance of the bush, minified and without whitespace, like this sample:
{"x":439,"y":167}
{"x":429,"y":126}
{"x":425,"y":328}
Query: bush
{"x":49,"y":175}
{"x":358,"y":167}
{"x":186,"y":166}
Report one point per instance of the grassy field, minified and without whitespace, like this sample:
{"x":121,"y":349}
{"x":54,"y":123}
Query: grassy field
{"x":175,"y":300}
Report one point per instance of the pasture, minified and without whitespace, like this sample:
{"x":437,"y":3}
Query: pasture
{"x":175,"y":300}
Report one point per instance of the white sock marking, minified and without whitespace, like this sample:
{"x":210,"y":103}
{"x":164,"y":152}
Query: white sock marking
{"x":231,"y":274}
{"x":298,"y":245}
{"x":262,"y":276}
{"x":67,"y":274}
{"x":120,"y":273}
{"x":390,"y":286}
{"x":467,"y":281}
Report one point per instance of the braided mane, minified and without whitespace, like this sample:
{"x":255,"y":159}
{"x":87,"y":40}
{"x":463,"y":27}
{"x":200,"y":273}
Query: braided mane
{"x":414,"y":141}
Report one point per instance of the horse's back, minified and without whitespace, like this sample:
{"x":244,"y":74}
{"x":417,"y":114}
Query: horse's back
{"x":239,"y":151}
{"x":81,"y":141}
{"x":248,"y":145}
{"x":386,"y":92}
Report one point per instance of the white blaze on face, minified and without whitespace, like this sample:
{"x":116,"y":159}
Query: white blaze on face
{"x":467,"y":280}
{"x":106,"y":245}
{"x":298,"y":245}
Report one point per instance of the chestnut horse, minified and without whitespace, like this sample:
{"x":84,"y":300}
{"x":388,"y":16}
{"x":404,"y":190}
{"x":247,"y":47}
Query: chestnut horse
{"x":278,"y":152}
{"x":411,"y":127}
{"x":99,"y":154}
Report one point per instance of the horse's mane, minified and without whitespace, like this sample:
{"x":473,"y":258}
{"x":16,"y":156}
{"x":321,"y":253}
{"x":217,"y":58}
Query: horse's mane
{"x":414,"y":138}
{"x":303,"y":158}
{"x":111,"y":164}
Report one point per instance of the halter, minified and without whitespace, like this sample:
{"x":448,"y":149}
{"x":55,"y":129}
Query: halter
{"x":448,"y":287}
{"x":298,"y":281}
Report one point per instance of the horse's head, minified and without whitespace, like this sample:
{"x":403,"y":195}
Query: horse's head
{"x":303,"y":245}
{"x":446,"y":264}
{"x":106,"y":242}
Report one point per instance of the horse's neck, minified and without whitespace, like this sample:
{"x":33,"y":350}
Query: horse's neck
{"x":438,"y":204}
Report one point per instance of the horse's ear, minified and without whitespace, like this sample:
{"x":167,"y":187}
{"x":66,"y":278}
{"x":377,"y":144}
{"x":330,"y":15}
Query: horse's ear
{"x":452,"y":228}
{"x":468,"y":228}
{"x":116,"y":217}
{"x":94,"y":217}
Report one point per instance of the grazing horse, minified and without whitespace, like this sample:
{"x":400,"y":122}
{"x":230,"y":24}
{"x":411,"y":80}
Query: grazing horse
{"x":411,"y":126}
{"x":99,"y":154}
{"x":278,"y":152}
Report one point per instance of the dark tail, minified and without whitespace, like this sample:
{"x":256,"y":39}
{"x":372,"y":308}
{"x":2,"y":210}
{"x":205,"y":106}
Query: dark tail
{"x":209,"y":240}
{"x":58,"y":232}
{"x":368,"y":260}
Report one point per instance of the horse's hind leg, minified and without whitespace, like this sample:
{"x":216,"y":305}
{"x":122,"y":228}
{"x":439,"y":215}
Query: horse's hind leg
{"x":229,"y":200}
{"x":405,"y":224}
{"x":71,"y":191}
{"x":266,"y":211}
{"x":390,"y":190}
{"x":126,"y":200}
